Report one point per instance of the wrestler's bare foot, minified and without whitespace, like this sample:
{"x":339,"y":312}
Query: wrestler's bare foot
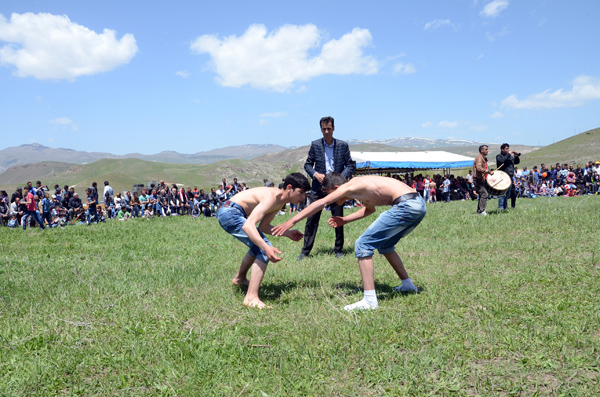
{"x":256,"y":303}
{"x":242,"y":282}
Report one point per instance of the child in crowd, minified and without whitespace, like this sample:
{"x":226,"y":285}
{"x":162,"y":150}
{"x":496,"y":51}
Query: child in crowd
{"x":13,"y":223}
{"x":239,"y":217}
{"x":148,"y":212}
{"x":195,"y":211}
{"x":408,"y":210}
{"x":122,"y":215}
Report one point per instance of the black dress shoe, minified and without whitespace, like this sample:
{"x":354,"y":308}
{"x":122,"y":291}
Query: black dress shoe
{"x":300,"y":257}
{"x":339,"y":254}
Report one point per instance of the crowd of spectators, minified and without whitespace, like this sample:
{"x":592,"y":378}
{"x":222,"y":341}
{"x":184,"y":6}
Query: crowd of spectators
{"x":558,"y":180}
{"x":40,"y":206}
{"x":44,"y":207}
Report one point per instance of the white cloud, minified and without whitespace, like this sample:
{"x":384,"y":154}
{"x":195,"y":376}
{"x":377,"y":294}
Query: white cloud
{"x":47,"y":46}
{"x":438,"y":23}
{"x":276,"y":60}
{"x":61,"y":121}
{"x":404,"y":68}
{"x":497,"y":115}
{"x":585,"y":88}
{"x":275,"y":114}
{"x":264,"y":118}
{"x":496,"y":36}
{"x":448,"y":124}
{"x":479,"y":127}
{"x":493,"y":8}
{"x":64,"y":122}
{"x":183,"y":73}
{"x":427,"y":124}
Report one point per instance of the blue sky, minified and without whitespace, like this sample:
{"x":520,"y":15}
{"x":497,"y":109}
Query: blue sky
{"x":191,"y":76}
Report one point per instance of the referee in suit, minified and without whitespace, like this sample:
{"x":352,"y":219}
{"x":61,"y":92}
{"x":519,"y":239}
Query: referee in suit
{"x":326,"y":155}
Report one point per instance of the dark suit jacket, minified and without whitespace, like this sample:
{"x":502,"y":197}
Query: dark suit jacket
{"x":315,"y":162}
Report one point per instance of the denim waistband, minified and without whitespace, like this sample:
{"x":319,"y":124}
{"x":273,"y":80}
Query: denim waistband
{"x":405,"y":197}
{"x":233,"y":204}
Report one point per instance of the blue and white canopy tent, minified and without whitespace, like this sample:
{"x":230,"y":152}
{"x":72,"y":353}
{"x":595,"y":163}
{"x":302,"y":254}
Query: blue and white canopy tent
{"x":395,"y":162}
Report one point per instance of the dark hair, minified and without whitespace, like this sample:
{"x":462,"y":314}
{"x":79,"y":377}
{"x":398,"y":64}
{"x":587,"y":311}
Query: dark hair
{"x":326,"y":120}
{"x":332,"y":180}
{"x":38,"y":183}
{"x":105,"y":183}
{"x":94,"y":184}
{"x":504,"y":146}
{"x":481,"y":147}
{"x":297,"y":180}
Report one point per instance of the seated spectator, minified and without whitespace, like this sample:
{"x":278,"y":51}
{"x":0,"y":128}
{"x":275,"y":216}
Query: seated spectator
{"x":149,"y":212}
{"x":109,"y":206}
{"x":75,"y":207}
{"x":195,"y":211}
{"x":13,"y":222}
{"x":4,"y":213}
{"x":122,"y":215}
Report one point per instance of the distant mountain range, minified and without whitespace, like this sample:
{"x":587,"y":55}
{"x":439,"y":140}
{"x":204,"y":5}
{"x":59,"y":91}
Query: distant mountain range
{"x":419,"y":143}
{"x":33,"y":153}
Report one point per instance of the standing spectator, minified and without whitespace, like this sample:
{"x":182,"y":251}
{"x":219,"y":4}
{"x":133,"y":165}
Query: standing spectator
{"x":326,"y":155}
{"x":507,"y":160}
{"x":30,"y":203}
{"x":480,"y":173}
{"x":46,"y":209}
{"x":91,"y":213}
{"x":107,"y":189}
{"x":446,"y":189}
{"x":427,"y":189}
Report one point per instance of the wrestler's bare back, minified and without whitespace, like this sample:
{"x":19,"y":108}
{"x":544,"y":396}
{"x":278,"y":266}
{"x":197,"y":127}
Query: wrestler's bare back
{"x":251,"y":198}
{"x":374,"y":190}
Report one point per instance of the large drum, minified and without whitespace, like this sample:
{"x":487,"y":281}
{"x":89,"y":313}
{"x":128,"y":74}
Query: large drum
{"x":498,"y":183}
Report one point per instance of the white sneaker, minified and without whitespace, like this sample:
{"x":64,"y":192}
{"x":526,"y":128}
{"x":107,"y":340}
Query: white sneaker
{"x":361,"y":305}
{"x":483,"y":213}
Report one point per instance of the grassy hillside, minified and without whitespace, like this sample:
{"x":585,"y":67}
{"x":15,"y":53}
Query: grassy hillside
{"x":472,"y":151}
{"x":122,"y":174}
{"x":577,"y":149}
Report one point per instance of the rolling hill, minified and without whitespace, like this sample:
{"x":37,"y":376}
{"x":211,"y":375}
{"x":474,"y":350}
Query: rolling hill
{"x":578,"y":149}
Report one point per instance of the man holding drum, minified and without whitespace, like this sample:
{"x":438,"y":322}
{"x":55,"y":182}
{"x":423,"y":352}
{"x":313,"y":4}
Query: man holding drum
{"x":480,"y":173}
{"x":506,"y":161}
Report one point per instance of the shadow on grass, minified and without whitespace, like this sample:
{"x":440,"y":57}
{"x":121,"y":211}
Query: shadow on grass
{"x":329,"y":252}
{"x":384,"y":291}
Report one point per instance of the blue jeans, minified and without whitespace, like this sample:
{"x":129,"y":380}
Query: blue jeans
{"x":503,"y":200}
{"x":91,"y":213}
{"x":35,"y":216}
{"x":231,"y":220}
{"x":390,"y":227}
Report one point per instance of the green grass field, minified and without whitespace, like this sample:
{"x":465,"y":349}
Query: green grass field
{"x":509,"y":305}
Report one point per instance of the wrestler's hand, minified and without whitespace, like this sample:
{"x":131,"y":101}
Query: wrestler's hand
{"x":294,"y":235}
{"x":272,"y":254}
{"x":279,"y":230}
{"x":336,"y":221}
